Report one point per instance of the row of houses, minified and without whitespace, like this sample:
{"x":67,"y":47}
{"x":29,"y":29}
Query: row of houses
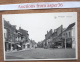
{"x":16,"y":39}
{"x":60,"y":37}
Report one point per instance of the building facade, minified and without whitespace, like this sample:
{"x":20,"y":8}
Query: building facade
{"x":24,"y":37}
{"x":60,"y":37}
{"x":15,"y":39}
{"x":69,"y":36}
{"x":10,"y":35}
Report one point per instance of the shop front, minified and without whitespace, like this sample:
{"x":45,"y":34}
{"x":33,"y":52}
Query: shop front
{"x":69,"y":43}
{"x":59,"y":43}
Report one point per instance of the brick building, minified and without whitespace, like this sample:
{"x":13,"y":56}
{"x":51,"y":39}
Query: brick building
{"x":48,"y":39}
{"x":14,"y":39}
{"x":52,"y":37}
{"x":10,"y":35}
{"x":60,"y":37}
{"x":24,"y":38}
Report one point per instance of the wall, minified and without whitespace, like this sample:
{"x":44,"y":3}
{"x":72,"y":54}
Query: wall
{"x":73,"y":38}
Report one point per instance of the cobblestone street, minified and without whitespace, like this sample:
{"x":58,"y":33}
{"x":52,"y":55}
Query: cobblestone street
{"x":41,"y":53}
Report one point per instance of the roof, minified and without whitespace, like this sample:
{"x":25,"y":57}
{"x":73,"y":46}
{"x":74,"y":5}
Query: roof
{"x":33,"y":42}
{"x":70,"y":26}
{"x":8,"y":25}
{"x":24,"y":32}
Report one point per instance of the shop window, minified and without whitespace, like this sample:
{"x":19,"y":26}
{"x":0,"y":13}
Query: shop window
{"x":28,"y":46}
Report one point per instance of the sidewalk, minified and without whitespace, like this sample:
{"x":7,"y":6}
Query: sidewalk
{"x":18,"y":50}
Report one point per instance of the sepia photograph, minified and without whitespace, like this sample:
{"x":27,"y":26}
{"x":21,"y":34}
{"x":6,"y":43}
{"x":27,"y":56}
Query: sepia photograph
{"x":40,"y":36}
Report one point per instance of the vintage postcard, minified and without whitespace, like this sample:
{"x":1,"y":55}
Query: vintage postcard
{"x":40,"y":36}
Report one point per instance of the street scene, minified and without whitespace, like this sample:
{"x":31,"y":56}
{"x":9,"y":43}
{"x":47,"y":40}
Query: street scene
{"x":48,"y":36}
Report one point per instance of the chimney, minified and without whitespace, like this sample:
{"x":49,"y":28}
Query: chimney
{"x":19,"y":27}
{"x":54,"y":30}
{"x":47,"y":31}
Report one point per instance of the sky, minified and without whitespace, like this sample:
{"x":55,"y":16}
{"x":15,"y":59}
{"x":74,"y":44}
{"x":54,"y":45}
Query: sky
{"x":37,"y":24}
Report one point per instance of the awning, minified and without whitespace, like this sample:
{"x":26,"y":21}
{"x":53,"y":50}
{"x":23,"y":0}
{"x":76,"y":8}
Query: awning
{"x":11,"y":42}
{"x":18,"y":45}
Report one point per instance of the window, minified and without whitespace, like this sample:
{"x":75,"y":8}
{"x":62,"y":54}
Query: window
{"x":69,"y":34}
{"x":66,"y":35}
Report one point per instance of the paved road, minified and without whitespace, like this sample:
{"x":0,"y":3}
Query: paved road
{"x":41,"y":53}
